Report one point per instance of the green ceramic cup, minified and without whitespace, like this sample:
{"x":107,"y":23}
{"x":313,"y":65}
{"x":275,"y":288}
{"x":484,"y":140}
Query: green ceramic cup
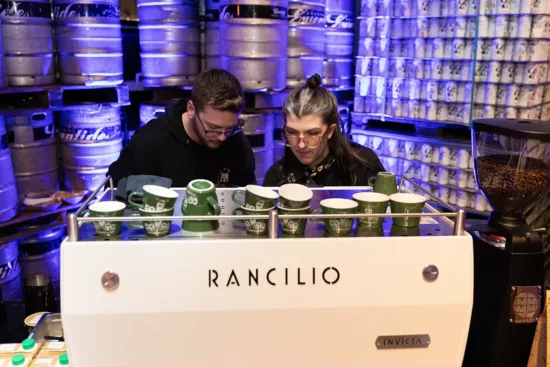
{"x":407,"y":203}
{"x":201,"y":199}
{"x":384,"y":183}
{"x":257,"y":227}
{"x":337,"y":206}
{"x":156,"y":228}
{"x":155,"y":198}
{"x":106,"y":209}
{"x":371,"y":203}
{"x":256,"y":197}
{"x":294,"y":196}
{"x":293,"y":226}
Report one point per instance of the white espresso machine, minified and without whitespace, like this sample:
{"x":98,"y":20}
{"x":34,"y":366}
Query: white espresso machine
{"x":393,"y":298}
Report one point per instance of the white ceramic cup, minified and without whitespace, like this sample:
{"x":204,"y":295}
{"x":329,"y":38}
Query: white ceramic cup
{"x":462,"y":179}
{"x":295,"y":192}
{"x":443,"y":177}
{"x":444,"y":155}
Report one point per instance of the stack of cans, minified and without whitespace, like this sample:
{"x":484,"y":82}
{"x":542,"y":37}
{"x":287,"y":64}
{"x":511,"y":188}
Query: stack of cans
{"x":513,"y":60}
{"x":445,"y":170}
{"x":419,"y":60}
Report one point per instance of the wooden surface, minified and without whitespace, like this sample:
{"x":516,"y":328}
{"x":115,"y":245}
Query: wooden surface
{"x":540,"y":350}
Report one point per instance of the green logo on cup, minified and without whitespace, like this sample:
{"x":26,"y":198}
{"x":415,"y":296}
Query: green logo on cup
{"x":257,"y":227}
{"x":407,"y":203}
{"x":293,"y":226}
{"x":156,"y":228}
{"x":371,"y":203}
{"x":337,"y":226}
{"x":106,"y":209}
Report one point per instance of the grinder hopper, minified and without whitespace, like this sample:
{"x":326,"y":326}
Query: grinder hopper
{"x":512,"y":166}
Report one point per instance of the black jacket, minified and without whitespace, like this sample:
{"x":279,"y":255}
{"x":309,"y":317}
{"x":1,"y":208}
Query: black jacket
{"x":290,"y":170}
{"x":163,"y":148}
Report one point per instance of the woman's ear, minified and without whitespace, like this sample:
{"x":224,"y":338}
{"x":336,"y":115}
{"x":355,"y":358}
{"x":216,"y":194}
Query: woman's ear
{"x":330,"y":130}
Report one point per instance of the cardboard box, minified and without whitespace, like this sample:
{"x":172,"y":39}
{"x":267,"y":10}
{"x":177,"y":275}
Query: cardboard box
{"x":48,"y":361}
{"x":4,"y":360}
{"x":56,"y":347}
{"x":17,"y":348}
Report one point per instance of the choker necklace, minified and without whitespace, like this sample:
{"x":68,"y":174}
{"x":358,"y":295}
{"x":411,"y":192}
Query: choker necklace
{"x":320,"y":168}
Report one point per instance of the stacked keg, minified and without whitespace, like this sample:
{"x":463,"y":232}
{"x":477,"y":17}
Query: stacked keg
{"x":306,"y":40}
{"x":253,"y":42}
{"x":339,"y":39}
{"x":258,"y":128}
{"x":9,"y":203}
{"x":40,"y":255}
{"x":28,"y":43}
{"x":212,"y":35}
{"x":169,"y":38}
{"x":90,"y":141}
{"x":89,"y":41}
{"x":10,"y":281}
{"x":34,"y":153}
{"x":278,"y":144}
{"x":3,"y":80}
{"x":151,"y":110}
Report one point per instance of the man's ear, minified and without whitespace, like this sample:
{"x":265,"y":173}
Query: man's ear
{"x":190,"y":109}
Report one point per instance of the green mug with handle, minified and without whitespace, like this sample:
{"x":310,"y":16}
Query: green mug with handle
{"x":155,"y":198}
{"x":384,"y":183}
{"x":201,"y":199}
{"x":256,"y":197}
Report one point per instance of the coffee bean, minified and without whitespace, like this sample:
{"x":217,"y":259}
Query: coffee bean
{"x":512,"y":183}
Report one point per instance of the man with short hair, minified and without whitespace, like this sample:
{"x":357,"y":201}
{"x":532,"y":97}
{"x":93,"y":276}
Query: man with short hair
{"x":201,"y":140}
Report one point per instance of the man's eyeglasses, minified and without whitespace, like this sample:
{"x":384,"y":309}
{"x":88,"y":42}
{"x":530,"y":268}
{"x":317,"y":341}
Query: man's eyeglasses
{"x":217,"y":133}
{"x":292,"y":139}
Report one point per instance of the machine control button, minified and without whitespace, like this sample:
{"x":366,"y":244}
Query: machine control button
{"x":110,"y":280}
{"x":430,"y":273}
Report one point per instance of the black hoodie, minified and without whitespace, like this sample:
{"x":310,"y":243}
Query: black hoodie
{"x":163,"y":148}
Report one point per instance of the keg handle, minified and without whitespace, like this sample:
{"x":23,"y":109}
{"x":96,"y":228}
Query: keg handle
{"x":38,"y":116}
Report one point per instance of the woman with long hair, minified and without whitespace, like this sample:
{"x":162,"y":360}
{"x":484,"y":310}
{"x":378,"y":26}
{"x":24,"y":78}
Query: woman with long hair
{"x":317,"y":152}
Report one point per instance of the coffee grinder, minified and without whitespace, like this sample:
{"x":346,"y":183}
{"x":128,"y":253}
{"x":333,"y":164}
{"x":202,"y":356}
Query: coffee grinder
{"x":512,"y":169}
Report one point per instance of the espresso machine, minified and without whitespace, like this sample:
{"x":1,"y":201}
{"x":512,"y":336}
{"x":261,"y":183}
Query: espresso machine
{"x":512,"y":168}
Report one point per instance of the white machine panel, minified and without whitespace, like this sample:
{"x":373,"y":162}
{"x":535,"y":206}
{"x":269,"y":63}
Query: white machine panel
{"x":319,"y":302}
